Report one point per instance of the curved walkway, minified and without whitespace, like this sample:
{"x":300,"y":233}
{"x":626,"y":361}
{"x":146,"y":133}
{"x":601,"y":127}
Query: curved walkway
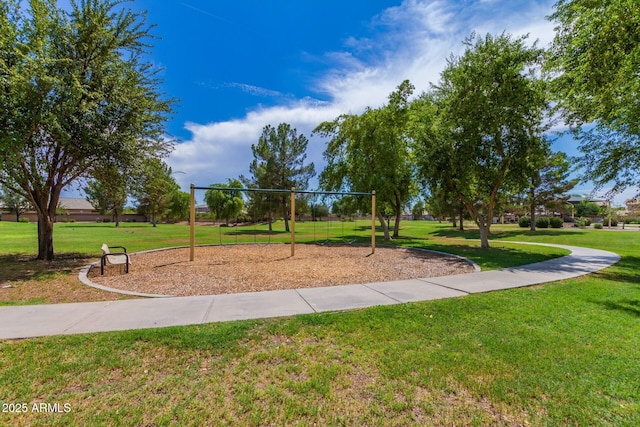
{"x":77,"y":318}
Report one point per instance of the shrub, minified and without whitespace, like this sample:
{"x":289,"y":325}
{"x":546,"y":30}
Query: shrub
{"x":524,"y":222}
{"x":542,"y":222}
{"x":614,"y":222}
{"x":24,"y":219}
{"x":583,"y":222}
{"x":106,"y":220}
{"x":597,"y":226}
{"x":556,"y":222}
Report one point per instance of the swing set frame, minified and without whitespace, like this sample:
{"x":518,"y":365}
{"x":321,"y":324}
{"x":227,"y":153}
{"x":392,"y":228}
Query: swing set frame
{"x":292,"y":223}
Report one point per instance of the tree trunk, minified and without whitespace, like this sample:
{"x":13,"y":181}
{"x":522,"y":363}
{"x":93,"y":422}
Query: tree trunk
{"x":383,"y":223}
{"x":532,"y":207}
{"x":116,"y":218}
{"x":45,"y":205}
{"x":45,"y":237}
{"x":461,"y":217}
{"x":396,"y":227}
{"x":484,"y":235}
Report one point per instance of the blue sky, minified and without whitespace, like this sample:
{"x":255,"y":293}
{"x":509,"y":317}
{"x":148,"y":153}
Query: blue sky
{"x":236,"y":66}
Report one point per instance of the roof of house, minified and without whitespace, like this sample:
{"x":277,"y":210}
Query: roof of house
{"x":75,"y":203}
{"x":575,"y":199}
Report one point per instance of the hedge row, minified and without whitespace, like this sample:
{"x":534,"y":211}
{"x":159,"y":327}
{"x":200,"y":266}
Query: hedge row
{"x":541,"y":222}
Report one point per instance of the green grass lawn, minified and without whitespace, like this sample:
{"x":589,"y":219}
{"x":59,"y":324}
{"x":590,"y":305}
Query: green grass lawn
{"x":85,"y":239}
{"x":562,"y":353}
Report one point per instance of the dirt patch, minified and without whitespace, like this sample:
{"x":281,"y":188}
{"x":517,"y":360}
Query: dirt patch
{"x":251,"y":268}
{"x":23,"y":279}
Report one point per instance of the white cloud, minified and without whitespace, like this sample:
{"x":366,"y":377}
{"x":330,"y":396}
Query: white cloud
{"x":222,"y":150}
{"x":413,"y":42}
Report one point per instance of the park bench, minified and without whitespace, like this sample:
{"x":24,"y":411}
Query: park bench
{"x":115,"y":258}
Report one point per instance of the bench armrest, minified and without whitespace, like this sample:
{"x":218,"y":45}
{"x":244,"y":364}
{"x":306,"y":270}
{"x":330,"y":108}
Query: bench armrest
{"x":105,"y":257}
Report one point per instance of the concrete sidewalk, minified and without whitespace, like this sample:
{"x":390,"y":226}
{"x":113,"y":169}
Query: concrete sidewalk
{"x":60,"y":319}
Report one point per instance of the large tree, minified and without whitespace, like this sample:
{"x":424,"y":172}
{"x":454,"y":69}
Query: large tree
{"x":279,"y":163}
{"x":179,"y":205}
{"x":225,"y":204}
{"x":548,"y":182}
{"x":370,"y":151}
{"x":77,"y":92}
{"x":107,"y":191}
{"x":490,"y":107}
{"x":14,"y":203}
{"x":595,"y":58}
{"x":154,"y":188}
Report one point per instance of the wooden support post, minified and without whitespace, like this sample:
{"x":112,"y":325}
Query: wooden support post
{"x":293,"y":221}
{"x":192,"y":223}
{"x":373,"y":222}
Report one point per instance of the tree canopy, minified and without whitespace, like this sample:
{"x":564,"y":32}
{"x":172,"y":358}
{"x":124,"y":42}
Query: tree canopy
{"x":278,"y":162}
{"x":154,"y":188}
{"x":370,"y":151}
{"x":77,"y":92}
{"x":107,"y":191}
{"x":548,"y":182}
{"x":483,"y":124}
{"x":225,"y":204}
{"x":595,"y":58}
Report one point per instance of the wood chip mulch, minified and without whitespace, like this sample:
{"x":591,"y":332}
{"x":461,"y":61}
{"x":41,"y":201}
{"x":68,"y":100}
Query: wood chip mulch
{"x":251,"y":268}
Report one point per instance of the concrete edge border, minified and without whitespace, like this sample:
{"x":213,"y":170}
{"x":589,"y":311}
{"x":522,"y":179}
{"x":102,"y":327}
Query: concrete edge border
{"x":84,"y":271}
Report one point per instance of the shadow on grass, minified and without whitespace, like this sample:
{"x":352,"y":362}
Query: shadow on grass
{"x":475,"y":234}
{"x":495,"y":257}
{"x":627,"y":270}
{"x":630,"y":306}
{"x":235,"y":232}
{"x":624,"y":273}
{"x":17,"y":267}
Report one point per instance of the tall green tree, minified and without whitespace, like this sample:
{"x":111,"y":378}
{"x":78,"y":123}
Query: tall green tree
{"x":370,"y":151}
{"x":225,"y":204}
{"x":417,"y":210}
{"x":179,"y":204}
{"x":595,"y":58}
{"x":279,"y":162}
{"x":77,"y":91}
{"x":491,"y":107}
{"x":443,"y":203}
{"x":154,"y":187}
{"x":588,"y":209}
{"x":426,"y":128}
{"x":14,"y":203}
{"x":548,"y":182}
{"x":107,"y":191}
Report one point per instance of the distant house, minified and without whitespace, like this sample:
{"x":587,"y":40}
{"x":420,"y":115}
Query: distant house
{"x":632,"y":207}
{"x":71,"y":209}
{"x":76,"y":205}
{"x":576,"y":200}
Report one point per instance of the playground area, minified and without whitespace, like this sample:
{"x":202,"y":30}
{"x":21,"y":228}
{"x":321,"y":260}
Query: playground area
{"x":251,"y":268}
